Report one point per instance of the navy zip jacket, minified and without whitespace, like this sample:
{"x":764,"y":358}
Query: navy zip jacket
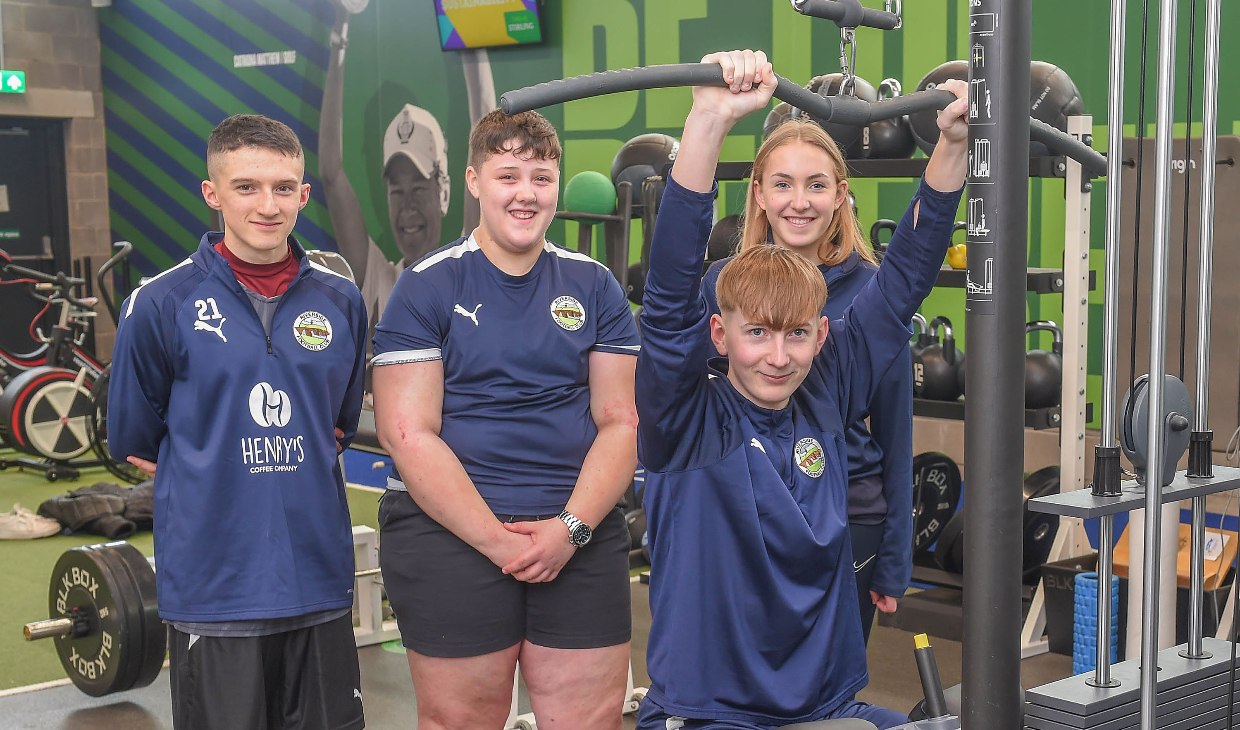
{"x":251,"y":520}
{"x":753,"y":597}
{"x":880,"y":458}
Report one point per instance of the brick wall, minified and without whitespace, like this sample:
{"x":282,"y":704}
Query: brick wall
{"x":57,"y":43}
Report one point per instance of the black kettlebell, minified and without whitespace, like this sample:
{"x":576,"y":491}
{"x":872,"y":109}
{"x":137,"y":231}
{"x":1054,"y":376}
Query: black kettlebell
{"x":935,"y":366}
{"x":876,"y":240}
{"x":1044,"y":370}
{"x":889,"y":139}
{"x":921,"y":335}
{"x":844,"y":96}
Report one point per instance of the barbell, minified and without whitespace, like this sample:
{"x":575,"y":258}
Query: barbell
{"x":106,"y":626}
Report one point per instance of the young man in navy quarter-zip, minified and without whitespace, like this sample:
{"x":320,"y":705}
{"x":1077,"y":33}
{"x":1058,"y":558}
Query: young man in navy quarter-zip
{"x":753,"y":600}
{"x":239,"y":373}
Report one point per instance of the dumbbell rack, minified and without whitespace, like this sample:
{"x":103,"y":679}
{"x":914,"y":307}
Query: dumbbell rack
{"x":615,"y":231}
{"x":1074,"y":282}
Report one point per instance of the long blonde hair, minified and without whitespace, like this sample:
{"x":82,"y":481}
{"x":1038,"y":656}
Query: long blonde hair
{"x":843,"y":234}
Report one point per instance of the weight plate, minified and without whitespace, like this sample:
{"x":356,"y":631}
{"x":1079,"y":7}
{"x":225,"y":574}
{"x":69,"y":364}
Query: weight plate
{"x":149,"y":646}
{"x":936,"y":494}
{"x":949,"y":552}
{"x":83,"y":588}
{"x":1039,"y":527}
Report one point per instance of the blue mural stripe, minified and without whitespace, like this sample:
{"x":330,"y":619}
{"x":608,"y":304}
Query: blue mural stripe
{"x":156,"y":114}
{"x":193,"y":97}
{"x":140,"y":264}
{"x":153,"y":193}
{"x":161,"y":76}
{"x":262,"y":17}
{"x":121,"y":87}
{"x":173,"y":243}
{"x":286,"y":76}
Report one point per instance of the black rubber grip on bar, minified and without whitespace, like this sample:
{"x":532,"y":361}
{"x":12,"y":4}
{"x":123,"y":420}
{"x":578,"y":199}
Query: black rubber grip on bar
{"x":847,"y":13}
{"x":1106,"y":471}
{"x":842,"y":110}
{"x":1199,"y":462}
{"x":1093,"y":162}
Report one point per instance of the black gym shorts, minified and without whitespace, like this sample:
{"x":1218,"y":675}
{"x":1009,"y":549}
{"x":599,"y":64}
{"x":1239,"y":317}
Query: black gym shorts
{"x":304,"y":679}
{"x":451,"y":601}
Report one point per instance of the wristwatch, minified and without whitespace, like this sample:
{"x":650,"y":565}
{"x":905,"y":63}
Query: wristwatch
{"x":579,"y":533}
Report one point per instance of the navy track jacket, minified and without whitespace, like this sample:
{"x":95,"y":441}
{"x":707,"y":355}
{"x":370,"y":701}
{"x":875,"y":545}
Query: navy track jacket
{"x":880,"y":458}
{"x":753,"y":598}
{"x":251,"y":520}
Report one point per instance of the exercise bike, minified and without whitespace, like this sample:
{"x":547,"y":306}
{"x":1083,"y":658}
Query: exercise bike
{"x":53,"y":405}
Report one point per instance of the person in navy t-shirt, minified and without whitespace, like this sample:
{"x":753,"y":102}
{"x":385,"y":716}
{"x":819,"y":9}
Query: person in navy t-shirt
{"x":752,"y":595}
{"x":503,"y":389}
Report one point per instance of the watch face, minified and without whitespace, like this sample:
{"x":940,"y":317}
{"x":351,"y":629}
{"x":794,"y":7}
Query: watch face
{"x":581,"y":534}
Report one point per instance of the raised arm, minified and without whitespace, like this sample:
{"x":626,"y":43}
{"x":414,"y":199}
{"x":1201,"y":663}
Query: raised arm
{"x":675,"y":336}
{"x":342,"y":205}
{"x":874,"y":328}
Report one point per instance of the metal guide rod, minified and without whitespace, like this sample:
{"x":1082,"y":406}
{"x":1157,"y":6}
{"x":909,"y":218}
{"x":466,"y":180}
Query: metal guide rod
{"x":1110,"y":325}
{"x":1151,"y":570}
{"x":1115,"y":142}
{"x":995,"y":309}
{"x":1205,"y":291}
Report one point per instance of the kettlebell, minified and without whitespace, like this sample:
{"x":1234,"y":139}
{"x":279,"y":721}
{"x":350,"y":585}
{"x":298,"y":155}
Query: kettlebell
{"x":876,"y":240}
{"x":921,"y":335}
{"x":848,"y":137}
{"x":1044,"y":370}
{"x":889,"y":139}
{"x":935,"y":366}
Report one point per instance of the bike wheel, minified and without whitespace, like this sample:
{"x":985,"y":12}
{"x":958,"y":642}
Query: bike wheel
{"x":98,"y":429}
{"x":45,"y":412}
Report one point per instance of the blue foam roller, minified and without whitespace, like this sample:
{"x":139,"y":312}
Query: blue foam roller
{"x":1085,"y":628}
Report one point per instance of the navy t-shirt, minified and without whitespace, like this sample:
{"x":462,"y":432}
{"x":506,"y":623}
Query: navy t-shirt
{"x":515,"y":352}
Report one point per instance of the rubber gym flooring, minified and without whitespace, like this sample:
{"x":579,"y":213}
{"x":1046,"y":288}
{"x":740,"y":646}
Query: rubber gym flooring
{"x":26,"y":666}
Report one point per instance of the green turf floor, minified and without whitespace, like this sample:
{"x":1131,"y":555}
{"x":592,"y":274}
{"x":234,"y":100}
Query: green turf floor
{"x":26,"y":566}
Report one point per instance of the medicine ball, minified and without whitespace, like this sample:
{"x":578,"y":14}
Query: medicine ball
{"x":925,"y":123}
{"x":641,"y":157}
{"x":590,"y":192}
{"x":1053,"y":97}
{"x":777,"y":116}
{"x":724,"y":237}
{"x":846,"y":136}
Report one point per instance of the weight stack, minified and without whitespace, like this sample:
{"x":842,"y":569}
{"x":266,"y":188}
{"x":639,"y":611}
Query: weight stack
{"x":1085,"y":624}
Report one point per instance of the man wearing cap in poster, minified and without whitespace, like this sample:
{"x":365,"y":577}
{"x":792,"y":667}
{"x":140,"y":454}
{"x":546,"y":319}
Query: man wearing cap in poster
{"x":415,"y":170}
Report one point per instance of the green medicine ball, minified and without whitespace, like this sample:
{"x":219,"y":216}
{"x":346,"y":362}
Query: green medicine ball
{"x":590,"y":192}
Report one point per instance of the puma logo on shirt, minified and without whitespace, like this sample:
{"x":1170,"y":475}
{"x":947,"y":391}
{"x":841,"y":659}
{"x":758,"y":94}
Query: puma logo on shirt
{"x":458,"y":309}
{"x":207,"y":327}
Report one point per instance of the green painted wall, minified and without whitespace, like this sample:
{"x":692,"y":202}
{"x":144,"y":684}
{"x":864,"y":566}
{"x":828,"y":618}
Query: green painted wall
{"x":169,"y":76}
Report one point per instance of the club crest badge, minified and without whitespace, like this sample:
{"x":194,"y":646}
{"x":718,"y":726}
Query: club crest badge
{"x":568,"y":313}
{"x":810,"y":457}
{"x":312,"y":331}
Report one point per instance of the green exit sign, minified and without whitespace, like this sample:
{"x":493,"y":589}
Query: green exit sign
{"x":12,"y":82}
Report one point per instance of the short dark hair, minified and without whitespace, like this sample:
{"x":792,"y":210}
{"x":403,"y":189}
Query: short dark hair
{"x":497,"y":132}
{"x":252,"y":130}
